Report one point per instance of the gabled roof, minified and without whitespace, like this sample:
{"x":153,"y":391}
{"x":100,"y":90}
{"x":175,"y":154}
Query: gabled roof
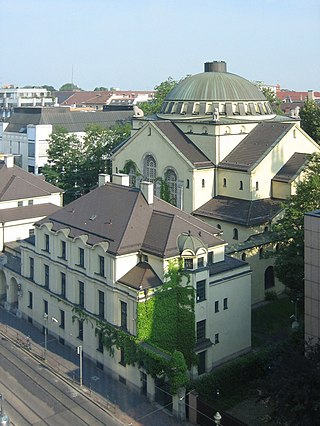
{"x":184,"y":144}
{"x":141,"y":276}
{"x":27,"y":212}
{"x":292,"y":168}
{"x":242,"y":212}
{"x":122,"y":217}
{"x":16,"y":184}
{"x":254,"y":147}
{"x":72,"y":121}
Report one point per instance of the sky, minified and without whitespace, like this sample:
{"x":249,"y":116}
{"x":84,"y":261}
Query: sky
{"x":135,"y":45}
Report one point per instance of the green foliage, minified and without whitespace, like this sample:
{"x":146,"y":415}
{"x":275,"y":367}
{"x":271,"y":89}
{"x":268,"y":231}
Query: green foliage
{"x":177,"y":372}
{"x":310,"y":119}
{"x":100,"y":89}
{"x":167,"y":320}
{"x":161,"y":92}
{"x":272,"y":98}
{"x":74,"y":164}
{"x":49,"y":88}
{"x":289,"y":231}
{"x":69,"y":87}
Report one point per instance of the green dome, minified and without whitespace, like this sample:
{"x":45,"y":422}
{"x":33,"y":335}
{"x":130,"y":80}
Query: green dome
{"x":215,"y":86}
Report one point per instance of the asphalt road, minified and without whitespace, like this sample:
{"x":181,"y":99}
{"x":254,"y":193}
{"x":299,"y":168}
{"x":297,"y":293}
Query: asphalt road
{"x":33,"y":395}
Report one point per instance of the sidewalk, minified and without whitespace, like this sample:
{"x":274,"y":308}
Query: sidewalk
{"x":124,"y":403}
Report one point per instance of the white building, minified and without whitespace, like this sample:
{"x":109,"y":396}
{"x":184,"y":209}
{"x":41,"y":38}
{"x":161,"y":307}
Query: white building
{"x":95,"y":264}
{"x":14,"y":97}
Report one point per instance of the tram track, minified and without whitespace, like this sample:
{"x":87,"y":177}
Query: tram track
{"x":56,"y":396}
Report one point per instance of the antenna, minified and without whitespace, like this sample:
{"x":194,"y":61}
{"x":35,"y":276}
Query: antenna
{"x":72,"y":74}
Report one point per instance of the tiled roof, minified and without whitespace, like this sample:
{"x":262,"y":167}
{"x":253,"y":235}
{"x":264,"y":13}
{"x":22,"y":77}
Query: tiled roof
{"x":291,"y":169}
{"x":140,"y":277}
{"x":228,"y":264}
{"x":242,"y":212}
{"x":72,"y":121}
{"x":121,"y":216}
{"x":16,"y":183}
{"x":35,"y":211}
{"x":294,"y":96}
{"x":259,"y":142}
{"x":184,"y":144}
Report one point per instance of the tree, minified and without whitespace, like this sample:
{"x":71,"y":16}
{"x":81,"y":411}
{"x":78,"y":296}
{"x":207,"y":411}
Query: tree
{"x":75,"y":163}
{"x":100,"y":89}
{"x":49,"y":88}
{"x":69,"y":87}
{"x":310,"y":119}
{"x":289,"y":231}
{"x":161,"y":92}
{"x":272,"y":98}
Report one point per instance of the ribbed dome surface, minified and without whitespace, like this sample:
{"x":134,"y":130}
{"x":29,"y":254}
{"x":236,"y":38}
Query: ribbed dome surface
{"x":215,"y":86}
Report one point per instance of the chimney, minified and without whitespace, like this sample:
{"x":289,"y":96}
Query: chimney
{"x":310,"y":95}
{"x":120,"y":179}
{"x":147,"y":191}
{"x":103,"y":179}
{"x":9,"y":160}
{"x":215,"y":66}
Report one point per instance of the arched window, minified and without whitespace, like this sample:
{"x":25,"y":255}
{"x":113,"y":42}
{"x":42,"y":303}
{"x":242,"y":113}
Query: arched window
{"x":150,"y":168}
{"x":203,"y":183}
{"x":171,"y":180}
{"x":244,"y":256}
{"x":268,"y":278}
{"x":224,"y":182}
{"x":241,"y":185}
{"x":235,"y":234}
{"x":218,"y":226}
{"x":261,"y":253}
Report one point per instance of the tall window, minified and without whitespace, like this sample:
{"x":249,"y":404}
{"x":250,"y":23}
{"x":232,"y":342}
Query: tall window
{"x":241,"y":185}
{"x":171,"y":180}
{"x":269,"y":278}
{"x":62,"y":318}
{"x":31,"y":268}
{"x":201,"y":291}
{"x":225,"y":303}
{"x":235,"y":234}
{"x":63,"y":284}
{"x":63,"y":250}
{"x":124,"y":315}
{"x":46,"y":242}
{"x":201,"y":330}
{"x":81,"y":257}
{"x":101,"y":266}
{"x":101,"y":304}
{"x":224,"y":182}
{"x":216,"y":306}
{"x":45,"y":307}
{"x":46,"y":276}
{"x":30,"y":300}
{"x":100,"y":341}
{"x":81,"y":294}
{"x":80,"y":329}
{"x":150,"y":168}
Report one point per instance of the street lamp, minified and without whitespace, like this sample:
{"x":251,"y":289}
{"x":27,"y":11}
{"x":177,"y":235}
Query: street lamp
{"x":79,"y":352}
{"x":45,"y":318}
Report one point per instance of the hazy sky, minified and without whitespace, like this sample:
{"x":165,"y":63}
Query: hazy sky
{"x":138,"y":44}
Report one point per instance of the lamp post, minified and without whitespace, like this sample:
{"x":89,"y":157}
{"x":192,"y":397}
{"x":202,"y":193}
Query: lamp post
{"x":79,"y":352}
{"x":45,"y":319}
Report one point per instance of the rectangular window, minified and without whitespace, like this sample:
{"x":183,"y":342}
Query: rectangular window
{"x":202,"y":362}
{"x":225,"y":303}
{"x":201,"y":291}
{"x":257,"y":186}
{"x":216,"y":306}
{"x":200,"y":262}
{"x":31,"y":150}
{"x":31,"y":268}
{"x":216,"y":338}
{"x":210,"y":258}
{"x":63,"y":284}
{"x":62,"y":318}
{"x":46,"y":276}
{"x":81,"y":294}
{"x":188,"y":184}
{"x":80,"y":329}
{"x":101,"y":266}
{"x":20,"y":203}
{"x":46,"y":242}
{"x":81,"y":257}
{"x":100,"y":342}
{"x":45,"y":307}
{"x":101,"y":304}
{"x":124,"y":315}
{"x":30,"y":305}
{"x":63,"y":250}
{"x":201,"y":330}
{"x":188,"y":263}
{"x":30,"y":202}
{"x":122,"y":357}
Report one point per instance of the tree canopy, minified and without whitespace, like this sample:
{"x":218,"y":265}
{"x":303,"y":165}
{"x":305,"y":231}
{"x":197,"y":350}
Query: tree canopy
{"x":289,"y":231}
{"x":74,"y":163}
{"x":100,"y":89}
{"x":69,"y":86}
{"x":272,"y":98}
{"x":161,"y":92}
{"x":310,"y":119}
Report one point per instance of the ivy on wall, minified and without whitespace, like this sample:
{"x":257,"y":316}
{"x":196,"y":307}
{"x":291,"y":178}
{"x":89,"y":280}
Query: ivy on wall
{"x":165,"y":331}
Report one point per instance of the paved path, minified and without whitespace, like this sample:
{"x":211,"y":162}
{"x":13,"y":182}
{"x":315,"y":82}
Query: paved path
{"x":126,"y":404}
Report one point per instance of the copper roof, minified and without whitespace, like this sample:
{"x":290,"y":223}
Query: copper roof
{"x":121,"y":216}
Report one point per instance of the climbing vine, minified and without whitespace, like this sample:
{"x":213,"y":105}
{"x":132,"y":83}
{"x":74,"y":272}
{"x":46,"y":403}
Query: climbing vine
{"x":165,"y":331}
